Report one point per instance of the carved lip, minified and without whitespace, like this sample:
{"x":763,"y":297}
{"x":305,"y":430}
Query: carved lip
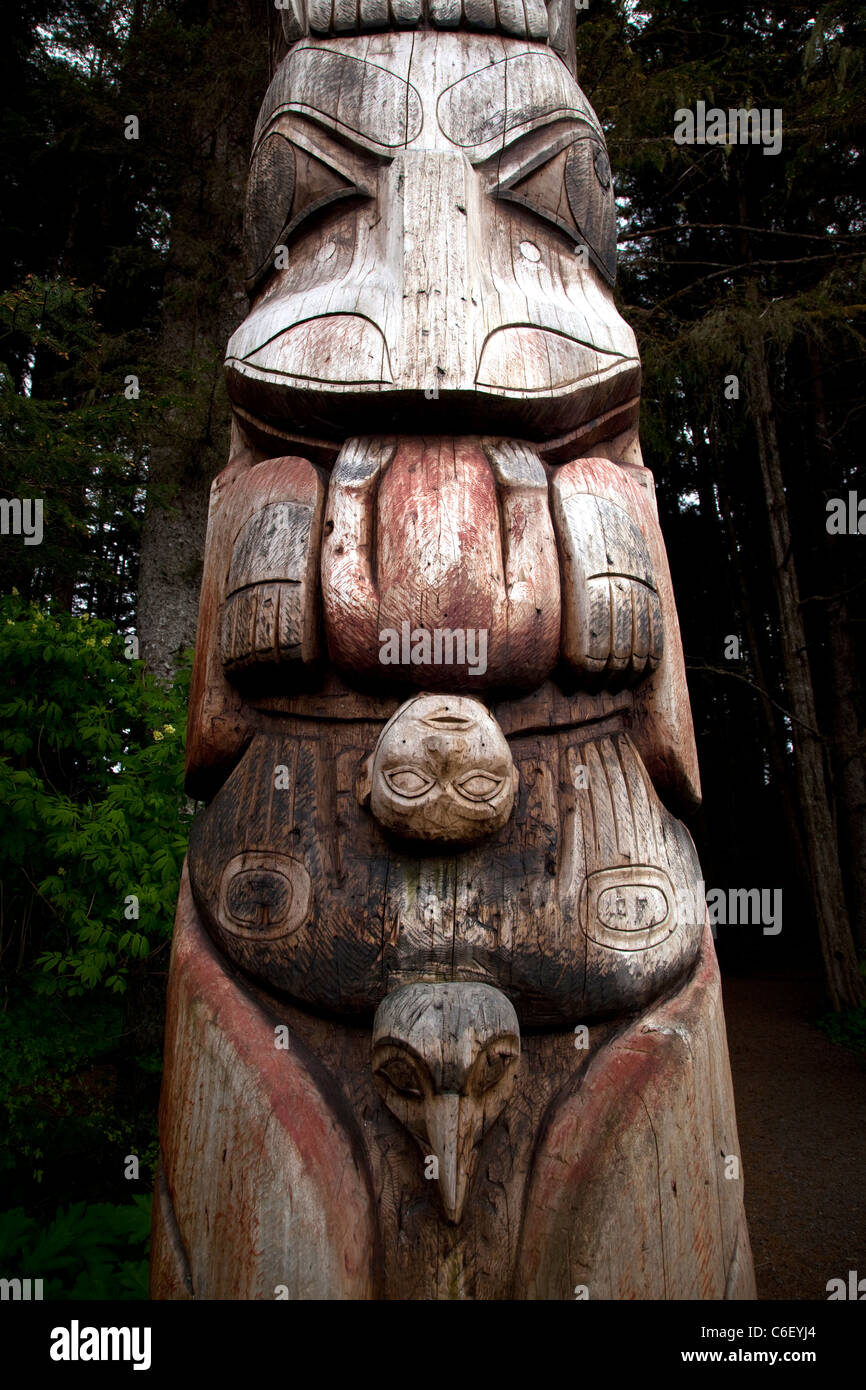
{"x":340,"y":349}
{"x":448,"y":721}
{"x":526,"y":360}
{"x":270,"y":436}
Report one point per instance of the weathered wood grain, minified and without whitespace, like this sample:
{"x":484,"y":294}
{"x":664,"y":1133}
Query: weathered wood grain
{"x":444,"y":1016}
{"x":649,"y":1206}
{"x":662,"y":726}
{"x":444,"y":1060}
{"x":255,"y":610}
{"x":625,"y":1197}
{"x":531,"y":19}
{"x":527,"y":909}
{"x":441,"y":772}
{"x":434,"y":279}
{"x":252,"y":1149}
{"x":455,"y":548}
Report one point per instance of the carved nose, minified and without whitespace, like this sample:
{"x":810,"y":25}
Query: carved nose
{"x":453,"y":1129}
{"x":439,"y":196}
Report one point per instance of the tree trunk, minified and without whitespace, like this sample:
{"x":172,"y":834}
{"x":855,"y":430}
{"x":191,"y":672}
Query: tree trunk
{"x":203,"y":303}
{"x":769,"y":716}
{"x":848,"y":749}
{"x":844,"y":983}
{"x":848,"y":762}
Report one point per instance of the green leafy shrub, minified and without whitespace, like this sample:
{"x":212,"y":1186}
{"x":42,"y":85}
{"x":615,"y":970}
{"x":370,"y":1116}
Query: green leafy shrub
{"x":93,"y":830}
{"x":847,"y":1028}
{"x":86,"y":1252}
{"x":93,"y":819}
{"x":76,"y":1096}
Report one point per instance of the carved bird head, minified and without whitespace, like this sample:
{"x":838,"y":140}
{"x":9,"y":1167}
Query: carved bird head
{"x":444,"y":1061}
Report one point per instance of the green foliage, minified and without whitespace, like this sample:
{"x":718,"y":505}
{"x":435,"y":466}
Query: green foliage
{"x":76,"y":1095}
{"x":847,"y":1028}
{"x":42,"y":1059}
{"x":69,"y":436}
{"x":92,"y":815}
{"x":92,"y":810}
{"x":94,"y":1251}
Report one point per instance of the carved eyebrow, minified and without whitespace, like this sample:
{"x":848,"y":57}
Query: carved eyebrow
{"x":339,"y":150}
{"x":510,"y":95}
{"x":353,"y":96}
{"x":527,"y":151}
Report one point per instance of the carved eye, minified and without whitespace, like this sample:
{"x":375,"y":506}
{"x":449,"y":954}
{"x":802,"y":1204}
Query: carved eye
{"x":573,"y":190}
{"x":316,"y":184}
{"x":402,"y":1076}
{"x":592,"y":202}
{"x":601,"y":165}
{"x":286,"y":186}
{"x":492,"y":1070}
{"x":408,"y":781}
{"x":480,"y":786}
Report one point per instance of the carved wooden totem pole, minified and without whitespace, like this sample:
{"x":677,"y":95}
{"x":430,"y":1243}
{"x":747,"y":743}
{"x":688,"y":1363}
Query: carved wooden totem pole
{"x":444,"y":1012}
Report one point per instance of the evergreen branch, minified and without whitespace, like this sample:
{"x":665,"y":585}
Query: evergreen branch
{"x":749,"y":266}
{"x":738,"y":227}
{"x":830,"y":598}
{"x":738,"y":675}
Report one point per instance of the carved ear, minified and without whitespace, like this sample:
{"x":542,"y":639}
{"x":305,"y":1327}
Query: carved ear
{"x":364,"y":781}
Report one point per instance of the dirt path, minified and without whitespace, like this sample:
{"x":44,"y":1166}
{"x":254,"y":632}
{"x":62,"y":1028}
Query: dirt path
{"x":801,"y":1113}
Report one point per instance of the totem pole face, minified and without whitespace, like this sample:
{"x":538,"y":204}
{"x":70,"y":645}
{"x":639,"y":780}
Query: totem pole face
{"x":430,"y":229}
{"x":442,"y":772}
{"x":440,"y":718}
{"x":447,"y":221}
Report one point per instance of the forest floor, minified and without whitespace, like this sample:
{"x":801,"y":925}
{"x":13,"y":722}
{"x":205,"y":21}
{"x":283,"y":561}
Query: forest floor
{"x":801,"y":1115}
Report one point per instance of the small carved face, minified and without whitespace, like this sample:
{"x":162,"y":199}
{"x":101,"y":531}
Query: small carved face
{"x":444,"y":1062}
{"x":442,"y":771}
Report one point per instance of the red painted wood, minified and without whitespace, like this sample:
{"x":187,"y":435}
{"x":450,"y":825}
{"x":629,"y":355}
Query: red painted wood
{"x":268,"y":1188}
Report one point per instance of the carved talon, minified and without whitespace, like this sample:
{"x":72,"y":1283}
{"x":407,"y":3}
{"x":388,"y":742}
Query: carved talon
{"x":613,"y":631}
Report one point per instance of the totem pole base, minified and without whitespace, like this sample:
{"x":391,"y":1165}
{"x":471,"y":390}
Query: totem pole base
{"x":284,"y":1175}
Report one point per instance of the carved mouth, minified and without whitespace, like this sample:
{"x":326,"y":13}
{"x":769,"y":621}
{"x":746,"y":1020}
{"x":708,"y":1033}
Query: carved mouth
{"x":270,"y":436}
{"x":331,"y":378}
{"x":448,"y":721}
{"x":526,"y":360}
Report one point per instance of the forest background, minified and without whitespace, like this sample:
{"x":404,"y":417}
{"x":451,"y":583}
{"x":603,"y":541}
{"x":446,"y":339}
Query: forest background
{"x":120,"y":256}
